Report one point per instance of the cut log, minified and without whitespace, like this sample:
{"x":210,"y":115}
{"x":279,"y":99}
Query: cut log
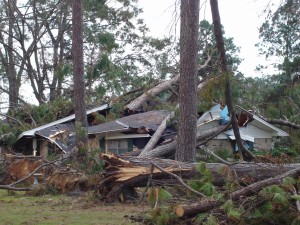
{"x":196,"y":208}
{"x":126,"y":172}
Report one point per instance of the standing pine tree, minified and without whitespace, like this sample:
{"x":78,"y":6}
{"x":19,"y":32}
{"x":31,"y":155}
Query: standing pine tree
{"x":189,"y":14}
{"x":78,"y":74}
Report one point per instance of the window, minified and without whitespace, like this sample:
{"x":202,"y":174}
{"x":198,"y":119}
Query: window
{"x":117,"y":146}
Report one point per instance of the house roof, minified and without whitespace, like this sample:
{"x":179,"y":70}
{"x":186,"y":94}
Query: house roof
{"x":149,"y":120}
{"x":215,"y":114}
{"x":62,"y":132}
{"x":210,"y":115}
{"x":60,"y":121}
{"x":260,"y":123}
{"x":63,"y":135}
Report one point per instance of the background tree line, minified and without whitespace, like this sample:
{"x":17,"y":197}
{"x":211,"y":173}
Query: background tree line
{"x":120,"y":56}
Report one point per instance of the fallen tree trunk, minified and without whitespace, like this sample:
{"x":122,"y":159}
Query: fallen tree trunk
{"x":196,"y":208}
{"x":156,"y":136}
{"x":168,"y":148}
{"x":122,"y":173}
{"x":137,"y":103}
{"x":281,"y":122}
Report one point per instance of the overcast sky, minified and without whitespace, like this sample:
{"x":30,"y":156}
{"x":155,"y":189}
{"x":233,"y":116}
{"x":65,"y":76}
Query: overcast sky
{"x":240,"y":18}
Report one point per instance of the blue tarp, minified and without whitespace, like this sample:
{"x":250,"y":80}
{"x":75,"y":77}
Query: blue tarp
{"x":225,"y":115}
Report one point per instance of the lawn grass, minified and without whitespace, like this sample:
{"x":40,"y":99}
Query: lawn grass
{"x":20,"y":208}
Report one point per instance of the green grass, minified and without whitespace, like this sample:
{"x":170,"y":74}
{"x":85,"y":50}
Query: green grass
{"x":58,"y":210}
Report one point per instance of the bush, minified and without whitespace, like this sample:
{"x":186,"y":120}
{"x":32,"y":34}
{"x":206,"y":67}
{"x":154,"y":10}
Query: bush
{"x":279,"y":151}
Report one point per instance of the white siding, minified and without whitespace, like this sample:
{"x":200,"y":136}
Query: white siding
{"x":256,"y":132}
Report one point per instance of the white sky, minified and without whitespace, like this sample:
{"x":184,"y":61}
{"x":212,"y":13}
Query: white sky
{"x":240,"y":18}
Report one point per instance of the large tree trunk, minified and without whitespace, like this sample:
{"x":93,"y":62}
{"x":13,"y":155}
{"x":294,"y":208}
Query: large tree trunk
{"x":123,"y":173}
{"x":169,"y":148}
{"x":79,"y":87}
{"x":227,"y":73}
{"x":136,"y":104}
{"x":156,"y":136}
{"x":189,"y":26}
{"x":10,"y":66}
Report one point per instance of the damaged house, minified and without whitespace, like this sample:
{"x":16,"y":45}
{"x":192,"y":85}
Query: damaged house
{"x":119,"y":136}
{"x":256,"y":133}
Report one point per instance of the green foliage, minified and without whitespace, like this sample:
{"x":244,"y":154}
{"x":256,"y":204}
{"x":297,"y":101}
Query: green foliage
{"x":211,"y":220}
{"x":161,"y":216}
{"x":230,"y":210}
{"x":63,"y":70}
{"x":296,"y":197}
{"x":81,"y":131}
{"x":208,"y":189}
{"x":231,"y":183}
{"x":107,"y":40}
{"x":270,"y":191}
{"x":289,"y":181}
{"x":205,"y":173}
{"x":94,"y":165}
{"x":275,"y":206}
{"x":204,"y":183}
{"x":158,"y":194}
{"x":224,"y":153}
{"x":279,"y":151}
{"x":201,"y":218}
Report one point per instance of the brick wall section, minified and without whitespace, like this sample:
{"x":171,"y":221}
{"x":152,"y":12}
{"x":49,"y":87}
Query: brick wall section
{"x":263,"y":144}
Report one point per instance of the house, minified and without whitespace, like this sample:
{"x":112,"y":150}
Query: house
{"x":256,"y":133}
{"x":36,"y":141}
{"x":128,"y":133}
{"x":118,"y":136}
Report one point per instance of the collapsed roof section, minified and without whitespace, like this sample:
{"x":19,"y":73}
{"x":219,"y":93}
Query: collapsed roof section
{"x":31,"y":133}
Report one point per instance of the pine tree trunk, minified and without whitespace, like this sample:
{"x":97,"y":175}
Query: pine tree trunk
{"x":226,"y":72}
{"x":78,"y":72}
{"x":188,"y":80}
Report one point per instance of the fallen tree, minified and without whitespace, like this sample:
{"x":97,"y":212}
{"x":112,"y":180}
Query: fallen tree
{"x":137,"y":103}
{"x":129,"y":172}
{"x":281,"y":122}
{"x":170,"y":146}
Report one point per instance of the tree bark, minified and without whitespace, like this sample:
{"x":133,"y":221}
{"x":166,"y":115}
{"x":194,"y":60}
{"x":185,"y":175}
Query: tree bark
{"x":281,"y":122}
{"x":189,"y":15}
{"x":131,"y":172}
{"x":9,"y":64}
{"x":136,"y":104}
{"x":156,"y":136}
{"x":78,"y":73}
{"x":169,"y":148}
{"x":227,"y":73}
